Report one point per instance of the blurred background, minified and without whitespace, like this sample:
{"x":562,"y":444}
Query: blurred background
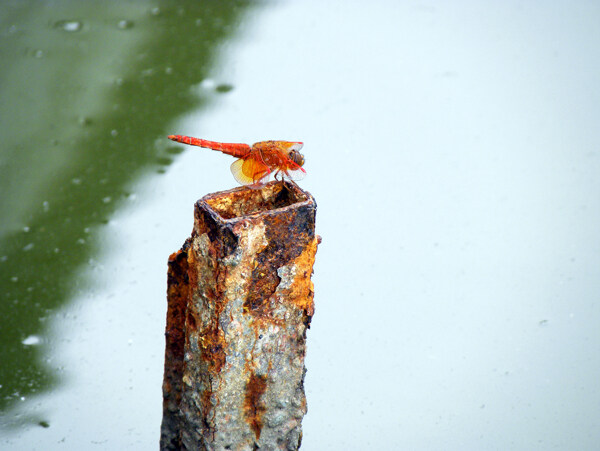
{"x":454,"y":153}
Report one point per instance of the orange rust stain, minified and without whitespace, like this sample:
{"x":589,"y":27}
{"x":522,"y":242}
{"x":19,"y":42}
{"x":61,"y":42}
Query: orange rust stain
{"x":213,"y":346}
{"x":253,"y":408}
{"x":192,"y":273}
{"x":302,"y":289}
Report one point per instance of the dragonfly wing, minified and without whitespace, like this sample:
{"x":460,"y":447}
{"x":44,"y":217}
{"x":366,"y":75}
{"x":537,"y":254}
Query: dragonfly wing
{"x":250,"y":171}
{"x":294,"y":171}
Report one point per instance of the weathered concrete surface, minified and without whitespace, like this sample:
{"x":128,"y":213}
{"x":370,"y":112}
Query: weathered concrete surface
{"x":240,"y":299}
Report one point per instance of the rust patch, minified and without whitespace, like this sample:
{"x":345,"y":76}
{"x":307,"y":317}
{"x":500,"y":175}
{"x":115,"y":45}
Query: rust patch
{"x":212,"y":344}
{"x":207,"y":306}
{"x":191,"y":321}
{"x":223,"y":239}
{"x":302,"y":290}
{"x":253,"y":407}
{"x":177,"y":302}
{"x":211,"y":340}
{"x":177,"y":296}
{"x":279,"y":252}
{"x":245,"y":202}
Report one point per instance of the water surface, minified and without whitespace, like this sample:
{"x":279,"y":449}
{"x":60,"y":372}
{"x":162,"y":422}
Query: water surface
{"x":454,"y":155}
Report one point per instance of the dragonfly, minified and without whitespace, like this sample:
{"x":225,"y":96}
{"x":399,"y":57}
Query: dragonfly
{"x":257,"y":163}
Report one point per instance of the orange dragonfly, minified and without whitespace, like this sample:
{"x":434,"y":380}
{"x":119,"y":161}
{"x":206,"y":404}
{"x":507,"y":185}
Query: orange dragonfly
{"x":255,"y":165}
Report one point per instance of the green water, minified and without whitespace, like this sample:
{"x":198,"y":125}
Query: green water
{"x":87,"y":90}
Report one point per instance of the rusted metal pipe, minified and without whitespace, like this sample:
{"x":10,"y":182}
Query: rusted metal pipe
{"x":240,"y":300}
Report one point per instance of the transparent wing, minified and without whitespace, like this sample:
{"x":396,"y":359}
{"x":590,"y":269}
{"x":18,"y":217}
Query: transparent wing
{"x":251,"y":172}
{"x":293,"y":171}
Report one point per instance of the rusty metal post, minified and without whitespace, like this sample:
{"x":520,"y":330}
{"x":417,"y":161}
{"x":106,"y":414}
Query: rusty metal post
{"x":240,"y":300}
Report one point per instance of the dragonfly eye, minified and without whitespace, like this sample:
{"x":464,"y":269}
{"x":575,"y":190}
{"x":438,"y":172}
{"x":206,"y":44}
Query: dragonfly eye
{"x":297,"y":158}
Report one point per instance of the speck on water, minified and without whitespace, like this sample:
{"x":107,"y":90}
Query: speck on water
{"x":69,"y":25}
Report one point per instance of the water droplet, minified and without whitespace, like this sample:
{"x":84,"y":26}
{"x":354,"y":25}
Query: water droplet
{"x":39,"y":54}
{"x":28,"y":247}
{"x":155,"y":11}
{"x":14,"y":279}
{"x":114,"y":133}
{"x":168,"y":70}
{"x":106,"y":199}
{"x":164,"y":161}
{"x":69,"y":25}
{"x":46,"y":205}
{"x":76,"y":181}
{"x":80,"y":241}
{"x":32,"y":340}
{"x":4,"y":258}
{"x":222,"y":88}
{"x":26,"y":229}
{"x":84,"y":121}
{"x":125,"y":24}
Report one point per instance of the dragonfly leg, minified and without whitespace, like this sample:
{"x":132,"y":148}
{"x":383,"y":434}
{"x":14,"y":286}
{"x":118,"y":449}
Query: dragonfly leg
{"x":282,"y":179}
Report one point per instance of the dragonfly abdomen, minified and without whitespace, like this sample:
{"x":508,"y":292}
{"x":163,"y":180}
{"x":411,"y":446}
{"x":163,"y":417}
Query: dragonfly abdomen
{"x":237,"y":150}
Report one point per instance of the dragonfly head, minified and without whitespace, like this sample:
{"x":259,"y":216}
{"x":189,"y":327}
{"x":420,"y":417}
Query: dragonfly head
{"x":294,"y":154}
{"x":296,"y":157}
